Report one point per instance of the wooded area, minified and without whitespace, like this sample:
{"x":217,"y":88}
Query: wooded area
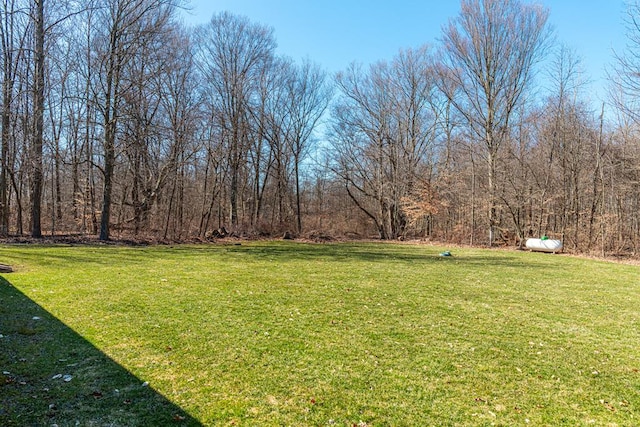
{"x":120,"y":121}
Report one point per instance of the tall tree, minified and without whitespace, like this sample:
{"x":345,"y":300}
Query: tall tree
{"x":625,"y":170}
{"x":625,"y":75}
{"x":13,"y":35}
{"x":309,"y":96}
{"x":38,"y":120}
{"x":125,"y":23}
{"x":178,"y":89}
{"x":488,"y":56}
{"x":231,"y":54}
{"x":383,"y":127}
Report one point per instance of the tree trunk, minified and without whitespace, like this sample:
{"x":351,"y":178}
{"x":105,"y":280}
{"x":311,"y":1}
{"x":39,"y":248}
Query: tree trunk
{"x":38,"y":126}
{"x":4,"y":152}
{"x":110,"y":123}
{"x":298,"y":208}
{"x":7,"y":103}
{"x":492,"y":197}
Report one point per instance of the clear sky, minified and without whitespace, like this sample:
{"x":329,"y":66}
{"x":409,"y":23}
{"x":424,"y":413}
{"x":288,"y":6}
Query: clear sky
{"x":335,"y":33}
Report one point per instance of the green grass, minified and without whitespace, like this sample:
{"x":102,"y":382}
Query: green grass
{"x":275,"y":333}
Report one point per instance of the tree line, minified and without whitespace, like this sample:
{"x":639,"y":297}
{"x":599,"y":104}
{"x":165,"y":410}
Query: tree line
{"x":120,"y":121}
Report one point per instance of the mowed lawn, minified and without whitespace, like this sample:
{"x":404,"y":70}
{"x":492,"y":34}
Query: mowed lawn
{"x":287,"y":333}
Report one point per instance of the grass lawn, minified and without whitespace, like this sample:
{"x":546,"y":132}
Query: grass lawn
{"x":285,"y":333}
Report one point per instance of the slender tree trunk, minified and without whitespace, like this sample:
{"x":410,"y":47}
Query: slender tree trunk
{"x":473,"y":201}
{"x":17,"y":188}
{"x":38,"y":127}
{"x":298,"y":207}
{"x":110,"y":119}
{"x":4,"y":153}
{"x":6,"y":28}
{"x":109,"y":163}
{"x":75,"y":179}
{"x":233,"y":190}
{"x":58,"y":183}
{"x":600,"y":169}
{"x":492,"y":198}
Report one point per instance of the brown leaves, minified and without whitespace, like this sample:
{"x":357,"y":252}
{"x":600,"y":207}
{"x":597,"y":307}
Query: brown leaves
{"x":608,"y":405}
{"x":421,"y":201}
{"x":612,"y":407}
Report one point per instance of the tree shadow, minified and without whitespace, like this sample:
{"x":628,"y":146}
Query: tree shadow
{"x":376,"y":252}
{"x":284,"y":251}
{"x":53,"y":376}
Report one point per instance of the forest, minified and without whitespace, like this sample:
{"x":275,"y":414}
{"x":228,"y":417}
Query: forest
{"x":119,"y":121}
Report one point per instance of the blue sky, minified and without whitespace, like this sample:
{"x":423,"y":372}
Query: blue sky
{"x":335,"y":33}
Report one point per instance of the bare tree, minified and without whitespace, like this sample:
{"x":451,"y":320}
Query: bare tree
{"x":13,"y":39}
{"x":488,"y":58}
{"x":38,"y":120}
{"x":383,"y":127}
{"x":569,"y":140}
{"x":271,"y":154}
{"x":153,"y":124}
{"x":293,"y":100}
{"x":309,"y":95}
{"x":625,"y":74}
{"x":231,"y":54}
{"x":625,"y":158}
{"x":124,"y":23}
{"x":177,"y":87}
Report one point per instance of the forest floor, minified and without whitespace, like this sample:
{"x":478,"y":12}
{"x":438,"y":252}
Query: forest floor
{"x":290,"y":333}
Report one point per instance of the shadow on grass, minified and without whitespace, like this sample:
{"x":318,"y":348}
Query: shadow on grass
{"x":53,"y":376}
{"x":279,"y":251}
{"x":364,"y":252}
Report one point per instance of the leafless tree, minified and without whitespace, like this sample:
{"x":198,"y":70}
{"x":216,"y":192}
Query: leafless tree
{"x":624,"y":152}
{"x":383,"y":128}
{"x":488,"y":57}
{"x":231,"y":54}
{"x":625,"y":74}
{"x":38,"y":119}
{"x":270,"y":154}
{"x":13,"y":35}
{"x":124,"y":22}
{"x":309,"y":96}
